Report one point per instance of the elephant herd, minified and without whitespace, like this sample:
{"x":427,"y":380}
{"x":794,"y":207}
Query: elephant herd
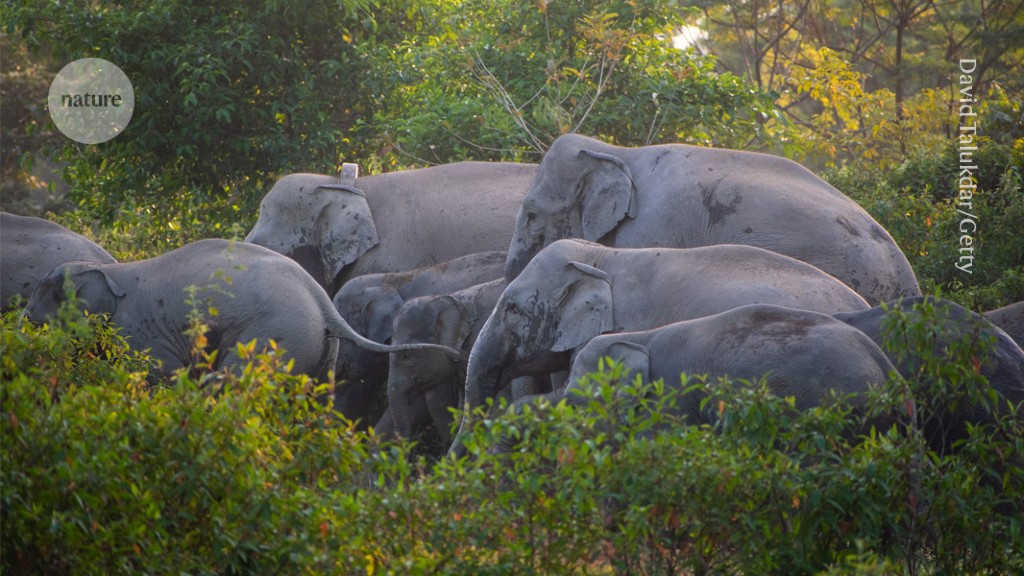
{"x":456,"y":283}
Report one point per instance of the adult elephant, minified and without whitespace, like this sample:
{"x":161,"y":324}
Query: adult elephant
{"x":391,"y":222}
{"x":1010,"y":319}
{"x":805,"y":355}
{"x":31,"y":247}
{"x":1002,"y":366}
{"x":574,"y":290}
{"x":685,"y":196}
{"x":369,"y":303}
{"x":258,"y":294}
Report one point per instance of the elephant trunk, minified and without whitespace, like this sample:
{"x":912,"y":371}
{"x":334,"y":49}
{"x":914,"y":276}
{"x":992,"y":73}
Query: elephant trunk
{"x":340,"y":328}
{"x":518,"y":257}
{"x":484,"y":372}
{"x":399,"y":404}
{"x":483,"y":380}
{"x":525,"y":245}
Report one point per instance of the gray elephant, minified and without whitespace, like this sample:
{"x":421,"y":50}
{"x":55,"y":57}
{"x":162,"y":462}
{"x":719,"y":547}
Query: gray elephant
{"x":684,"y":196}
{"x":369,"y":303}
{"x":1003,"y":368}
{"x":806,"y":355}
{"x":422,"y":386}
{"x":31,"y":247}
{"x":391,"y":222}
{"x":574,"y":290}
{"x":258,"y":294}
{"x":1010,"y":319}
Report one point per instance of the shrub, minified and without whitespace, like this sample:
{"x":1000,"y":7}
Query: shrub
{"x":916,"y":202}
{"x":102,"y":474}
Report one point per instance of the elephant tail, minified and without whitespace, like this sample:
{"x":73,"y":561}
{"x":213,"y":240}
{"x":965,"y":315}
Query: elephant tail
{"x":337,"y":326}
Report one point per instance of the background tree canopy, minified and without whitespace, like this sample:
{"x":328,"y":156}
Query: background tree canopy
{"x":232,"y":95}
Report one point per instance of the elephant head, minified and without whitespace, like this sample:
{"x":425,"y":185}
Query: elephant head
{"x":371,"y":312}
{"x":635,"y":359}
{"x":425,"y":383}
{"x":578,"y":192}
{"x":317,"y":222}
{"x":92,"y":285}
{"x":555,"y":306}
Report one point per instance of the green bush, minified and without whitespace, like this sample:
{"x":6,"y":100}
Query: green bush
{"x":916,"y":202}
{"x":102,"y":474}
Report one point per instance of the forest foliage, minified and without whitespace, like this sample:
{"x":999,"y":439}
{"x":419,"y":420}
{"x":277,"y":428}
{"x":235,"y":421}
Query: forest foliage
{"x":233,"y":95}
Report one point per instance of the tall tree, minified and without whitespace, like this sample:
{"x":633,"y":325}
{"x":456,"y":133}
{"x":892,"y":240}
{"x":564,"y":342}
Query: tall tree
{"x":500,"y":79}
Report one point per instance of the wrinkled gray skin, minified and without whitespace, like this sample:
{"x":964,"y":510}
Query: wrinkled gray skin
{"x":1004,"y":367}
{"x":574,"y":290}
{"x":1010,"y":319}
{"x":685,"y":196}
{"x":806,"y":355}
{"x":268,"y":297}
{"x":369,"y":303}
{"x":422,"y":385}
{"x":31,"y":247}
{"x":391,"y":222}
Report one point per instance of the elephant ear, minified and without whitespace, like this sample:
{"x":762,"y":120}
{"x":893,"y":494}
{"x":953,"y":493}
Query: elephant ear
{"x":584,"y":307}
{"x":452,"y":325}
{"x":344,"y":228}
{"x":379,"y":314}
{"x":99,"y":291}
{"x":608,"y":195}
{"x":634,"y":357}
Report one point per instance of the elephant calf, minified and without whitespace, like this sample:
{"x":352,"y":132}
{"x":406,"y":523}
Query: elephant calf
{"x":369,"y":303}
{"x":258,"y":294}
{"x":805,"y":355}
{"x":31,"y":247}
{"x":1003,"y":368}
{"x":422,"y":384}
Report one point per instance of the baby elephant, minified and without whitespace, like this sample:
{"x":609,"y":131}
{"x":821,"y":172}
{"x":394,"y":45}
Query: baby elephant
{"x":424,"y":384}
{"x":806,"y":355}
{"x":31,"y":247}
{"x":259,"y":294}
{"x":370,"y":303}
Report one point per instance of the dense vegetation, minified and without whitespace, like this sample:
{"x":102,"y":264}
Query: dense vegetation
{"x":232,"y":95}
{"x":251,"y":474}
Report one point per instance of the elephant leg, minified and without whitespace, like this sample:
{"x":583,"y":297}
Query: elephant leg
{"x":551,"y":397}
{"x":385,"y":427}
{"x":355,"y":400}
{"x":440,"y":401}
{"x":525,"y":386}
{"x":558,"y":380}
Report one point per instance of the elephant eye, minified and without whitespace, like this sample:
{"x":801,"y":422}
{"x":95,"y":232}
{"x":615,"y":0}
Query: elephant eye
{"x":512,"y":311}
